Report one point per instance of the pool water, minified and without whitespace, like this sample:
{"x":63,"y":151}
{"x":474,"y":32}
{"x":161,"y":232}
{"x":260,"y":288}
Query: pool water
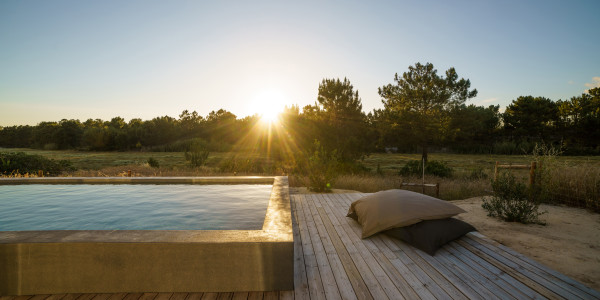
{"x":133,"y":207}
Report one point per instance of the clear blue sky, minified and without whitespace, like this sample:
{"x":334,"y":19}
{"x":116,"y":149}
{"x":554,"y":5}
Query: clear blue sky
{"x":142,"y":59}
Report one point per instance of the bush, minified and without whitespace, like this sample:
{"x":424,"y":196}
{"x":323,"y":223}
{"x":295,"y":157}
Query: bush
{"x":321,"y":169}
{"x":196,"y":154}
{"x":436,"y":168}
{"x":153,"y":162}
{"x":510,"y":201}
{"x":21,"y":163}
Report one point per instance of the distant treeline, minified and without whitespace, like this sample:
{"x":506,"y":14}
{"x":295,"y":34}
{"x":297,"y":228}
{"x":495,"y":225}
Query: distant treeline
{"x":337,"y":121}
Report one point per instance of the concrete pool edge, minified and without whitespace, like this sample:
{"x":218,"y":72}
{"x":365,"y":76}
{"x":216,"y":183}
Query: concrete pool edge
{"x":49,"y":262}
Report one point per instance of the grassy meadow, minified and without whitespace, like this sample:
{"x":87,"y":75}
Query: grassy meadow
{"x":574,"y":178}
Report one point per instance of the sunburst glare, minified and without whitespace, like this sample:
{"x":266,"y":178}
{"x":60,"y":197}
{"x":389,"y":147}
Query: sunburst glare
{"x":269,"y":104}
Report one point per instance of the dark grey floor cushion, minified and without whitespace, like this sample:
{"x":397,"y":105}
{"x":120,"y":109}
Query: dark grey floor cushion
{"x":430,"y":235}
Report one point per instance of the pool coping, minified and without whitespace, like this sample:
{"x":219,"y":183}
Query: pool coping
{"x":39,"y":262}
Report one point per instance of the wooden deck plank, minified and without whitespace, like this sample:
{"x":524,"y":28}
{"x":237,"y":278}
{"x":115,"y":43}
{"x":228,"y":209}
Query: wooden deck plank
{"x":27,"y":297}
{"x":224,"y":296}
{"x":485,"y":288}
{"x":404,"y":288}
{"x":344,"y":286}
{"x":236,"y":296}
{"x":72,"y":296}
{"x":501,"y":279}
{"x":354,"y":275}
{"x":255,"y":296}
{"x":524,"y":263}
{"x":315,"y":285}
{"x":60,"y":296}
{"x":102,"y":296}
{"x":512,"y":272}
{"x":434,"y":274}
{"x":358,"y":289}
{"x":191,"y":296}
{"x":300,"y":282}
{"x":409,"y":277}
{"x":210,"y":296}
{"x":555,"y":286}
{"x":163,"y":296}
{"x":388,"y":260}
{"x":383,"y":278}
{"x":458,"y":282}
{"x":286,"y":295}
{"x":562,"y":280}
{"x":370,"y":270}
{"x":327,"y":276}
{"x":82,"y":297}
{"x":136,"y":296}
{"x":271,"y":296}
{"x":151,"y":296}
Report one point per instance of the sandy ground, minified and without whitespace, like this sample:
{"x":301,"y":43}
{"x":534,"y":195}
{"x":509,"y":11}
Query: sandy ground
{"x":568,"y":243}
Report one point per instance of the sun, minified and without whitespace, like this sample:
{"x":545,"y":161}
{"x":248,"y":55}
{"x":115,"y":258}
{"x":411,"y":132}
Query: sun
{"x":269,"y":104}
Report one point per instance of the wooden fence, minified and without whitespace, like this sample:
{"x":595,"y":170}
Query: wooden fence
{"x":532,"y":167}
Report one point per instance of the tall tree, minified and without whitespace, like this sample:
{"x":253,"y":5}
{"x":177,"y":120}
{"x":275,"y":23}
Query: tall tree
{"x":475,"y":128}
{"x":421,"y":102}
{"x":580,"y":120}
{"x":342,"y":122}
{"x":531,"y":117}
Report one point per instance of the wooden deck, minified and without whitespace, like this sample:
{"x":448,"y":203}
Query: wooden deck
{"x":333,"y":262}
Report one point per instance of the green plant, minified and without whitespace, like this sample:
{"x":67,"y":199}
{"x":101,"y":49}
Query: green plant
{"x":22,"y":163}
{"x":432,"y":167}
{"x":153,"y":162}
{"x":196,"y":154}
{"x":321,"y":168}
{"x":510,"y":201}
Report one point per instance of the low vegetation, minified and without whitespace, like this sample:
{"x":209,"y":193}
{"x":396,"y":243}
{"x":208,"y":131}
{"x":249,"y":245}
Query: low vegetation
{"x":512,"y":201}
{"x":19,"y":163}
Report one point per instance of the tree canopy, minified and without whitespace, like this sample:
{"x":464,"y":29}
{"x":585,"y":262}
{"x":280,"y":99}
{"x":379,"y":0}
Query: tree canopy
{"x":421,"y":101}
{"x":422,"y":110}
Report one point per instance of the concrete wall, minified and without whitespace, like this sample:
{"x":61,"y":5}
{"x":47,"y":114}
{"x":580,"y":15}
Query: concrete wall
{"x":43,"y":262}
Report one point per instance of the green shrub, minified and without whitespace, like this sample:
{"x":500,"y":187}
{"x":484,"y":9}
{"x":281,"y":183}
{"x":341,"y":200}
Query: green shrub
{"x":153,"y":162}
{"x":432,"y":167}
{"x":21,"y":163}
{"x":196,"y":154}
{"x":510,"y":201}
{"x":321,"y":167}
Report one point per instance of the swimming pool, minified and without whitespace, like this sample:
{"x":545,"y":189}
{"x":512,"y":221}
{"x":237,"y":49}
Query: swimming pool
{"x":133,"y":207}
{"x":114,"y":261}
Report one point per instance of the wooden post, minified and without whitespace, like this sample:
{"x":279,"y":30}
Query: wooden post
{"x":423,"y":183}
{"x":128,"y":173}
{"x":437,"y":190}
{"x":496,"y":170}
{"x":40,"y":173}
{"x":532,"y":173}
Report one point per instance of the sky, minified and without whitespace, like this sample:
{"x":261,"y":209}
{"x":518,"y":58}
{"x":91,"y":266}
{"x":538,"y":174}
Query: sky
{"x":143,"y":59}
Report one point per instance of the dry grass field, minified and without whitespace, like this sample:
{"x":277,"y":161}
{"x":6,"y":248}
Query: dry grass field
{"x":574,"y":180}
